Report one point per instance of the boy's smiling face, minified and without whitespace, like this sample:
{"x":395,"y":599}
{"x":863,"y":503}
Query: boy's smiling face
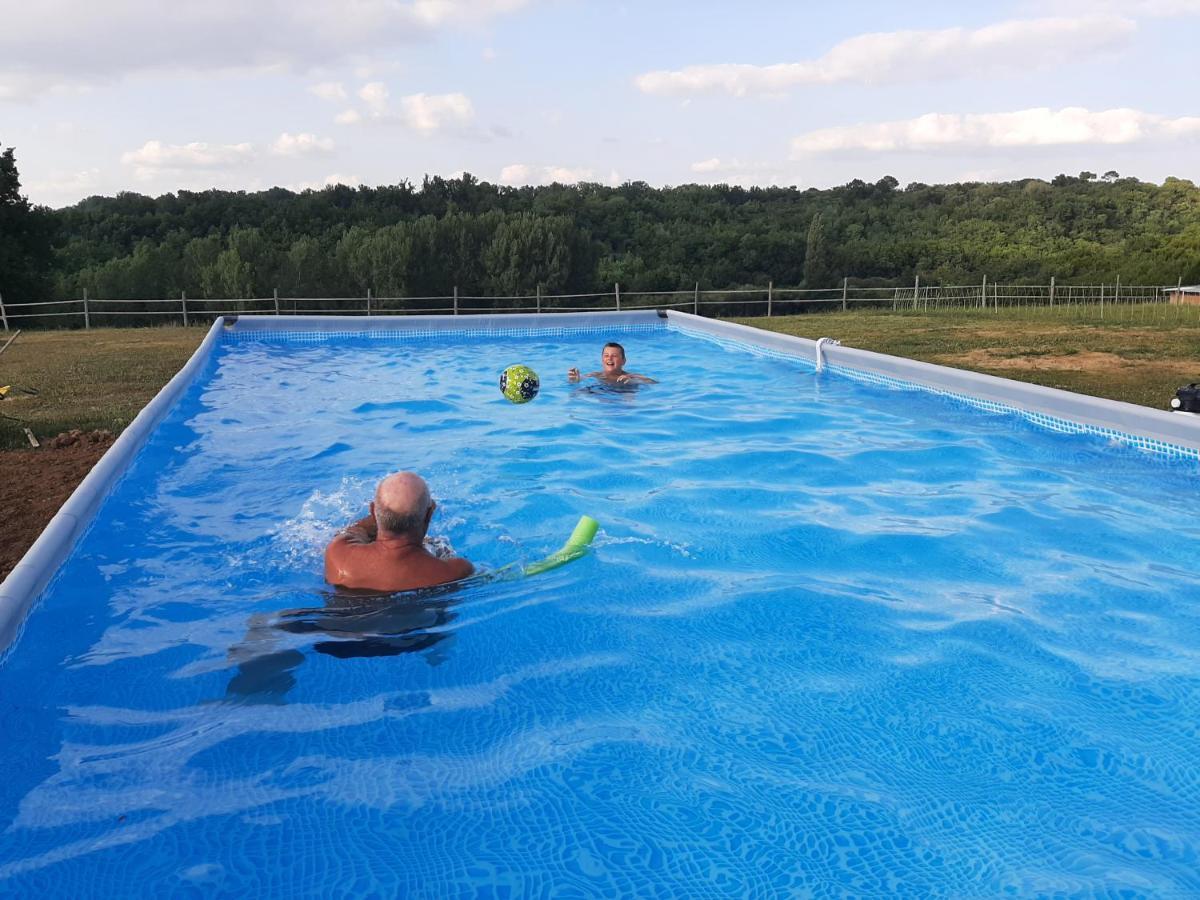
{"x":612,"y":359}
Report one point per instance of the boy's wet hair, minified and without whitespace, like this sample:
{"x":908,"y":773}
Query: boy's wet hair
{"x":616,"y":345}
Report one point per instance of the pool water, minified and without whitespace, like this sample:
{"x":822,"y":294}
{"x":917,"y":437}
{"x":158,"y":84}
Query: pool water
{"x":832,"y":638}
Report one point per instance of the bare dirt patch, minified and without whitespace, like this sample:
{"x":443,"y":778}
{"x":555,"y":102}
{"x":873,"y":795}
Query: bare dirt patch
{"x":35,"y":483}
{"x":1089,"y":361}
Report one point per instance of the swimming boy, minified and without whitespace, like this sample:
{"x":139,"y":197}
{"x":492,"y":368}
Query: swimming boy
{"x":612,"y":358}
{"x":385,"y":551}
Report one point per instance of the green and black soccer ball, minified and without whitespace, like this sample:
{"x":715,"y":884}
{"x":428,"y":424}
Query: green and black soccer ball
{"x":519,"y":384}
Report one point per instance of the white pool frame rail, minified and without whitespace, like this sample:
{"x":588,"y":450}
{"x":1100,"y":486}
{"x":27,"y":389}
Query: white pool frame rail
{"x":1155,"y":431}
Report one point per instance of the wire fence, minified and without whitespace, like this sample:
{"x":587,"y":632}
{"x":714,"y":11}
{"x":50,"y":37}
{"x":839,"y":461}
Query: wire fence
{"x":1082,"y":301}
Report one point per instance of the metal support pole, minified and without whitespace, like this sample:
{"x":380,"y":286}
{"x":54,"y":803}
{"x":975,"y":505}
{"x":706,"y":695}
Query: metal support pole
{"x":770,"y":296}
{"x":539,"y":298}
{"x":617,"y":290}
{"x":183,"y":306}
{"x":368,"y":301}
{"x":845,"y":283}
{"x":1051,"y":290}
{"x":87,"y":319}
{"x":4,"y":315}
{"x":456,"y":299}
{"x":696,"y":302}
{"x":983,"y":294}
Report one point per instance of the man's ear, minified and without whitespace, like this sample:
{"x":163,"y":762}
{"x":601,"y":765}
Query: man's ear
{"x":371,"y":508}
{"x":429,"y":514}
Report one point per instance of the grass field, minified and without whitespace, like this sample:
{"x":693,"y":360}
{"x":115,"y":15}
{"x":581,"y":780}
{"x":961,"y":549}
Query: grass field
{"x":90,"y":380}
{"x":99,"y":379}
{"x":1128,"y":356}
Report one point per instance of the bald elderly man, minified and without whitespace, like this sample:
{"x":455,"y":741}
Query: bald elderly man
{"x":385,"y":551}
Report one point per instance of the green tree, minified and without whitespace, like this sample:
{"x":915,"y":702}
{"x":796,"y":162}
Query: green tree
{"x":818,"y":264}
{"x":25,"y":238}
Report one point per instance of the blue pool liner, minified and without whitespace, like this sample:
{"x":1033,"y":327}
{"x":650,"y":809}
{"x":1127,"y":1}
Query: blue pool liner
{"x":1170,"y":435}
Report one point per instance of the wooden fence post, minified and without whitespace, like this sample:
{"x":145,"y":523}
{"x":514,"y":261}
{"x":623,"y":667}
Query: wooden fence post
{"x":3,"y":314}
{"x":696,"y":301}
{"x":983,"y":293}
{"x":276,"y":296}
{"x":617,"y":290}
{"x":1051,"y":290}
{"x":368,"y":301}
{"x":87,"y":319}
{"x":916,"y":291}
{"x":1117,"y":291}
{"x":770,"y":297}
{"x":539,"y":297}
{"x":183,"y":306}
{"x":456,"y":299}
{"x":845,"y":283}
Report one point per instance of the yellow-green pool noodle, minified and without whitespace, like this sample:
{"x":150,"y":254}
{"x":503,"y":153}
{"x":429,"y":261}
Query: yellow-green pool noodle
{"x":574,"y":548}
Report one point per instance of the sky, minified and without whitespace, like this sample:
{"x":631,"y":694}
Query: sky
{"x":103,"y":96}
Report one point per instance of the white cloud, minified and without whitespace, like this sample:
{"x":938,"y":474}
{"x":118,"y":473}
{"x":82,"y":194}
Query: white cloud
{"x":157,"y":155}
{"x":887,"y":57}
{"x":1041,"y":127}
{"x":734,"y":171}
{"x":110,"y":40}
{"x":328,"y":90}
{"x":523,"y":174}
{"x":429,"y":113}
{"x":426,"y":114}
{"x":62,"y":189}
{"x":375,"y":95}
{"x":301,"y":145}
{"x":714,"y":165}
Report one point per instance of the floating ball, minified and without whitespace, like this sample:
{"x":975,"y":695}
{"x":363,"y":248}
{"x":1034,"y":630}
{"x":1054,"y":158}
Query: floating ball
{"x":519,"y":384}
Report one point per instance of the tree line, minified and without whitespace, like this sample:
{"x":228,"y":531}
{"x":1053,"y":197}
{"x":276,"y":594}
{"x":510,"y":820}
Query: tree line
{"x":485,"y":239}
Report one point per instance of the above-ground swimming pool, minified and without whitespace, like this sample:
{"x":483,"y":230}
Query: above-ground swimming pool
{"x":833,"y":637}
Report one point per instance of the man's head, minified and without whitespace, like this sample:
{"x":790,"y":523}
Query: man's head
{"x":612,"y":357}
{"x":403,"y":505}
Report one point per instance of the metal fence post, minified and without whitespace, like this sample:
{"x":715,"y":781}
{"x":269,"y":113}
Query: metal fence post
{"x":845,"y":283}
{"x":770,"y":296}
{"x":1051,"y":290}
{"x":275,"y":295}
{"x":183,"y":306}
{"x":87,"y":319}
{"x":617,"y":290}
{"x":368,"y":301}
{"x":696,"y":301}
{"x":456,"y":299}
{"x":539,"y":297}
{"x":3,"y":314}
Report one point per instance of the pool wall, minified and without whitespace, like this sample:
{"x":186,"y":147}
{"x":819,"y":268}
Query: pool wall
{"x":31,"y":575}
{"x":1160,"y":432}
